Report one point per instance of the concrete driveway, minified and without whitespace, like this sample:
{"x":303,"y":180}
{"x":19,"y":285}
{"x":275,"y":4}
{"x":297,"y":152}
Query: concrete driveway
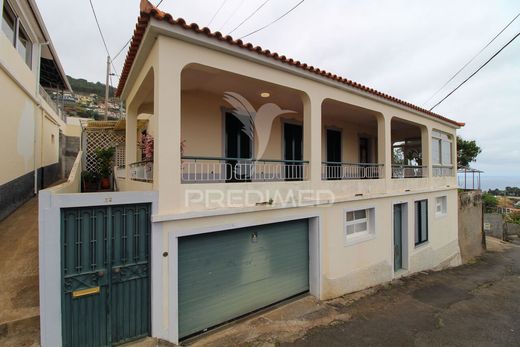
{"x":473,"y":305}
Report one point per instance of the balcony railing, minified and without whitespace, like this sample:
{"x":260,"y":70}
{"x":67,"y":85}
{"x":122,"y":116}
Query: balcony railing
{"x":211,"y":169}
{"x":50,"y":102}
{"x":142,"y":171}
{"x":409,"y":171}
{"x":120,"y":171}
{"x":443,"y":170}
{"x":349,"y":171}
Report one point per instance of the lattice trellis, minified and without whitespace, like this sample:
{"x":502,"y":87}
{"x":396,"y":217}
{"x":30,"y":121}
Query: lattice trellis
{"x":103,"y":138}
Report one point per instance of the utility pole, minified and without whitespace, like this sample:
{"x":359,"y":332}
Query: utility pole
{"x":107,"y":86}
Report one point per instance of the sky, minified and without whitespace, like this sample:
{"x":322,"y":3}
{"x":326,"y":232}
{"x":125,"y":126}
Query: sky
{"x":407,"y":49}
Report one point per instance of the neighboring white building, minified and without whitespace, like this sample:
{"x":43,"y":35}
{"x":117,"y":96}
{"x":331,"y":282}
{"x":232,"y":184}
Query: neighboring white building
{"x":31,"y":120}
{"x":338,"y":188}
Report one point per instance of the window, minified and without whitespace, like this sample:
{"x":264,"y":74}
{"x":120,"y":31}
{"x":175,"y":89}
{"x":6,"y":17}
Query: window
{"x":441,"y":206}
{"x":8,"y":22}
{"x":359,"y":225}
{"x":421,"y":222}
{"x":24,"y":46}
{"x":441,"y":148}
{"x":16,"y":34}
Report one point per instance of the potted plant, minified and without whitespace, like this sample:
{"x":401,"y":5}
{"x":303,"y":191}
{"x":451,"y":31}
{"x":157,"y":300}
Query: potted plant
{"x":90,"y":181}
{"x":104,"y":156}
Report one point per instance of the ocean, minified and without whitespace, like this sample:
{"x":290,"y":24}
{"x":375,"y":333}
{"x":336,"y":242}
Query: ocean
{"x":498,"y":182}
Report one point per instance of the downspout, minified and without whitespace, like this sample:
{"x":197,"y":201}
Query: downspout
{"x":36,"y":92}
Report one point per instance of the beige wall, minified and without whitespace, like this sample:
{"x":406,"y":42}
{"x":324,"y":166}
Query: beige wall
{"x":201,"y":121}
{"x":28,"y":124}
{"x":350,"y":267}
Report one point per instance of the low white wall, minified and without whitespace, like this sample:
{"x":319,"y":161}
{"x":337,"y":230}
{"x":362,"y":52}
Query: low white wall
{"x":343,"y":267}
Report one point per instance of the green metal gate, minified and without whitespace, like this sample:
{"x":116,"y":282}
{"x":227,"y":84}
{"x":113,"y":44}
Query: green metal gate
{"x":105,"y":274}
{"x":224,"y":275}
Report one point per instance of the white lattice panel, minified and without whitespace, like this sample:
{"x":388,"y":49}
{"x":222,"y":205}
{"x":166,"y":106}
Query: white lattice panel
{"x":103,"y":138}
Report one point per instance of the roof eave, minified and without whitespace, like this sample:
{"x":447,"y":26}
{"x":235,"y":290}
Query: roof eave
{"x":47,"y":37}
{"x":157,"y":27}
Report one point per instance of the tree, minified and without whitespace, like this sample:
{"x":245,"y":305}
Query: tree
{"x":490,"y":201}
{"x":467,"y":152}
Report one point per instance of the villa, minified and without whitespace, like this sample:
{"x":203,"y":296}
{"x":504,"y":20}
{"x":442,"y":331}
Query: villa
{"x":266,"y":179}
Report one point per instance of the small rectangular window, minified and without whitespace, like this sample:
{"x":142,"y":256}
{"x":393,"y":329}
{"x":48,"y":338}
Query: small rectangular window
{"x":8,"y":22}
{"x":441,"y":207}
{"x":359,"y":224}
{"x":24,"y":46}
{"x":421,"y":222}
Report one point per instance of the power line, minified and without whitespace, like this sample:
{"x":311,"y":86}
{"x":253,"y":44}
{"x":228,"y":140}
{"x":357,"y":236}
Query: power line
{"x":122,"y":49}
{"x":231,"y":15}
{"x":103,"y":37}
{"x":274,"y":21}
{"x":220,"y":8}
{"x":99,"y":28}
{"x":474,"y":73}
{"x":472,"y":59}
{"x":248,"y":17}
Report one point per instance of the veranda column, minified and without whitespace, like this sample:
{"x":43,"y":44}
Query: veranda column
{"x":384,"y":143}
{"x":312,"y":135}
{"x":426,"y":136}
{"x":167,"y":108}
{"x":130,"y":138}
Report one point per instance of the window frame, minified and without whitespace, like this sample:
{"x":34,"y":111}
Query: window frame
{"x":444,"y":206}
{"x":437,"y":140}
{"x":418,"y":234}
{"x":18,"y":31}
{"x":360,"y":236}
{"x":8,"y":10}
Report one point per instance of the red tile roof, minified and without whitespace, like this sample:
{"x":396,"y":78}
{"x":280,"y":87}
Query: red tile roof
{"x":149,"y":11}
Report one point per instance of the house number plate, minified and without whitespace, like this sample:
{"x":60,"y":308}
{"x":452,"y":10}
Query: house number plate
{"x":84,"y":292}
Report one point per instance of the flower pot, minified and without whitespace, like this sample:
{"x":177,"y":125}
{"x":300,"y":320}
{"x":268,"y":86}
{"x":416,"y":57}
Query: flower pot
{"x":105,"y":183}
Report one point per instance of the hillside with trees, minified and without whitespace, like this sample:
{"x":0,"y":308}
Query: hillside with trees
{"x":82,"y":86}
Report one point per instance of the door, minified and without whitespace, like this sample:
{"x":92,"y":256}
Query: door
{"x":105,"y":274}
{"x":225,"y":275}
{"x":238,"y":145}
{"x":293,"y":151}
{"x":398,"y":236}
{"x":333,"y":154}
{"x":364,"y":150}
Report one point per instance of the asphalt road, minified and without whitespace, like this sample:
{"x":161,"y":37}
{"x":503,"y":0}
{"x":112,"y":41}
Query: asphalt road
{"x":472,"y":305}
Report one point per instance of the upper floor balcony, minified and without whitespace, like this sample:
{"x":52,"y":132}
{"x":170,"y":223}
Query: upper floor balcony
{"x":234,"y":129}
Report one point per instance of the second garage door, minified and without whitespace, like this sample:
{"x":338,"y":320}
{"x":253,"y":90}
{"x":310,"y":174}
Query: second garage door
{"x":224,"y":275}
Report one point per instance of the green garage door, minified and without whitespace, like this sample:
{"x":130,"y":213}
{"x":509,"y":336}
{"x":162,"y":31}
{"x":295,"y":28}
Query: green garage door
{"x":224,"y":275}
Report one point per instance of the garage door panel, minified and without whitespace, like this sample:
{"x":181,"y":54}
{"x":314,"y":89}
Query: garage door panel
{"x":227,"y":274}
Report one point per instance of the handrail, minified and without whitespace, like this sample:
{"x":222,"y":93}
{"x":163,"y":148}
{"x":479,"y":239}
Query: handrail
{"x":187,"y":157}
{"x":227,"y":169}
{"x":350,"y":171}
{"x":409,"y":171}
{"x":138,"y":163}
{"x":347,"y":163}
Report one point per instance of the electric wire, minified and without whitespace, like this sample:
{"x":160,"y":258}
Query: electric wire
{"x":472,"y":59}
{"x":274,"y":21}
{"x":474,"y":73}
{"x":216,"y":13}
{"x":249,"y":17}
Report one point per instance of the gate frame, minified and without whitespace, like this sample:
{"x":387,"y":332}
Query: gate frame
{"x":50,"y":202}
{"x":315,"y":261}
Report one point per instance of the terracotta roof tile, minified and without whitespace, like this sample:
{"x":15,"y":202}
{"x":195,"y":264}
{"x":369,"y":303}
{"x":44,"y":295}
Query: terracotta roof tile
{"x":148,"y":11}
